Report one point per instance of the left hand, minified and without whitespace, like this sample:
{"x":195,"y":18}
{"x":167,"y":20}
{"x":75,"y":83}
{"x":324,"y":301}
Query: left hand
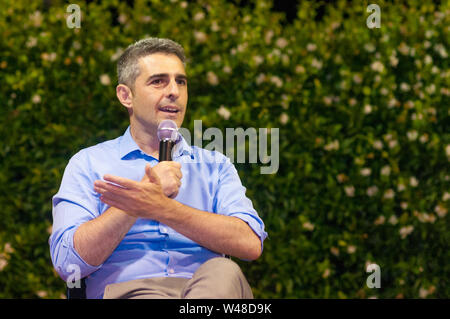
{"x":142,"y":199}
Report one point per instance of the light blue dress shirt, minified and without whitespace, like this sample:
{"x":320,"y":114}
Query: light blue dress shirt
{"x":150,"y":249}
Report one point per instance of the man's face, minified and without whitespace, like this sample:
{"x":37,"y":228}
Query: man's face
{"x":160,"y":91}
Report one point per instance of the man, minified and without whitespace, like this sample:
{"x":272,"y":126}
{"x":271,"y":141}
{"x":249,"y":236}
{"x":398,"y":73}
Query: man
{"x":139,"y":228}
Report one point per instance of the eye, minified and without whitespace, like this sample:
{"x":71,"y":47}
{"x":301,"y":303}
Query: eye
{"x":182,"y":81}
{"x":157,"y":81}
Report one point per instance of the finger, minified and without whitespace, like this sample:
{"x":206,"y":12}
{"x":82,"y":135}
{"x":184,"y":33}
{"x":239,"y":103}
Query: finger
{"x":111,"y":202}
{"x":121,"y":181}
{"x":173,"y":195}
{"x":106,"y":188}
{"x":175,"y":164}
{"x":178,"y":173}
{"x":153,"y":177}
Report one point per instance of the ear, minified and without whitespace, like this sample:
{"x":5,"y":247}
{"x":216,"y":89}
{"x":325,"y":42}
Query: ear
{"x":125,"y":96}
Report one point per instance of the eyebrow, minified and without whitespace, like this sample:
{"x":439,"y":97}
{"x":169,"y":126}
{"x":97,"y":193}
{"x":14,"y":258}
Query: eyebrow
{"x":161,"y":75}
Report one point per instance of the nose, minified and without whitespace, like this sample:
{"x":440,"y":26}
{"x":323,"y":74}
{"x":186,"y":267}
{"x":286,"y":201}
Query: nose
{"x":173,"y":91}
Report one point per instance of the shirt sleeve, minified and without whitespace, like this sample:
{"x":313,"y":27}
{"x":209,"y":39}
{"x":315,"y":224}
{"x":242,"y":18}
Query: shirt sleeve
{"x":230,"y":200}
{"x":74,"y":204}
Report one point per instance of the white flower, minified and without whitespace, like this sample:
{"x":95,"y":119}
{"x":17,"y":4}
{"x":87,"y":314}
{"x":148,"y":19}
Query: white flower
{"x":214,"y":26}
{"x":316,"y":63}
{"x":377,"y":66}
{"x":36,"y":18}
{"x":299,"y":69}
{"x":334,"y":145}
{"x":393,"y":220}
{"x":405,"y":231}
{"x":367,"y":109}
{"x":430,"y":89}
{"x":441,"y":50}
{"x":199,"y":16}
{"x":327,"y":100}
{"x":36,"y":99}
{"x":284,"y":118}
{"x":404,"y":87}
{"x":281,"y":43}
{"x":389,"y":194}
{"x":357,"y":78}
{"x":334,"y":251}
{"x":372,"y":190}
{"x":258,"y":59}
{"x":116,"y":54}
{"x":393,"y":60}
{"x":412,"y":135}
{"x":326,"y":273}
{"x":308,"y":226}
{"x":104,"y":79}
{"x":447,"y":150}
{"x":365,"y":171}
{"x":351,"y":249}
{"x":440,"y":210}
{"x":403,"y":48}
{"x":369,"y":47}
{"x":413,"y":181}
{"x":424,"y":138}
{"x":349,"y":190}
{"x":386,"y":170}
{"x":392,"y":143}
{"x":428,"y":59}
{"x":122,"y":18}
{"x":3,"y":262}
{"x":227,"y":69}
{"x":200,"y":36}
{"x":401,"y":187}
{"x":285,"y":101}
{"x":146,"y":19}
{"x":404,"y":205}
{"x":32,"y":42}
{"x":224,"y":112}
{"x":311,"y":47}
{"x":268,"y":36}
{"x":380,"y":220}
{"x":261,"y":78}
{"x":378,"y":145}
{"x":446,"y":196}
{"x":212,"y":78}
{"x":276,"y":80}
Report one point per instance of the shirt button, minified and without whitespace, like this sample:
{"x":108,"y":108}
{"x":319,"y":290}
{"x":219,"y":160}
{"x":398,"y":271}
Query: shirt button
{"x":171,"y":271}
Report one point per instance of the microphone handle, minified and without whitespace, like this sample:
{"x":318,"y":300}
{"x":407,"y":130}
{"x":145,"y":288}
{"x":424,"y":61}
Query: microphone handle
{"x":165,"y":150}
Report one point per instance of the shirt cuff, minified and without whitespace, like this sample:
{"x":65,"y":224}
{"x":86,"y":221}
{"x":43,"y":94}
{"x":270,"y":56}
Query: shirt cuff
{"x":73,"y":267}
{"x":256,"y":225}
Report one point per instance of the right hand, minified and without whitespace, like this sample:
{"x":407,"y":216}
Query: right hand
{"x":169,"y":173}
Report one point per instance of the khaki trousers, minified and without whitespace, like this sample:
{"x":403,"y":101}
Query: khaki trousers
{"x":218,"y":278}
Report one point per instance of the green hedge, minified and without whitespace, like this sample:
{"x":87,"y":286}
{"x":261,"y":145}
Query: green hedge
{"x":363,"y":117}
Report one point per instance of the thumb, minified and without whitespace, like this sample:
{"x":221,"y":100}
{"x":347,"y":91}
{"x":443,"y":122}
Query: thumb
{"x":153,"y":178}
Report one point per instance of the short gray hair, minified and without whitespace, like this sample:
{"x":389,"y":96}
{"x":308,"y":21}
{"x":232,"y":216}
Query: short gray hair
{"x":127,"y":65}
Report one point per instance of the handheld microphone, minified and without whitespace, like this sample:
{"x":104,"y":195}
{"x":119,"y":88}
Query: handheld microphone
{"x":168,"y":136}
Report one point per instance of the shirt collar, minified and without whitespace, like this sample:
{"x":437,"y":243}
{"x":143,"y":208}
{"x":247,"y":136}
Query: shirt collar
{"x":128,"y":145}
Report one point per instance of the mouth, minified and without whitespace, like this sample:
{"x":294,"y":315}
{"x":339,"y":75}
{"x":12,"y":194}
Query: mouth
{"x":169,"y":109}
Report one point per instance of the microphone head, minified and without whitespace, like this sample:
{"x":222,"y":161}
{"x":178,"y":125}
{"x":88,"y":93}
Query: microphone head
{"x":168,"y":131}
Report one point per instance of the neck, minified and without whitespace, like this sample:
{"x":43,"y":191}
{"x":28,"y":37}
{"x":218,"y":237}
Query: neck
{"x":146,"y":139}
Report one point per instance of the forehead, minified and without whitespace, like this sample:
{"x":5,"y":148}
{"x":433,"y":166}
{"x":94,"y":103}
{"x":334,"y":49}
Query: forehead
{"x":157,"y":63}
